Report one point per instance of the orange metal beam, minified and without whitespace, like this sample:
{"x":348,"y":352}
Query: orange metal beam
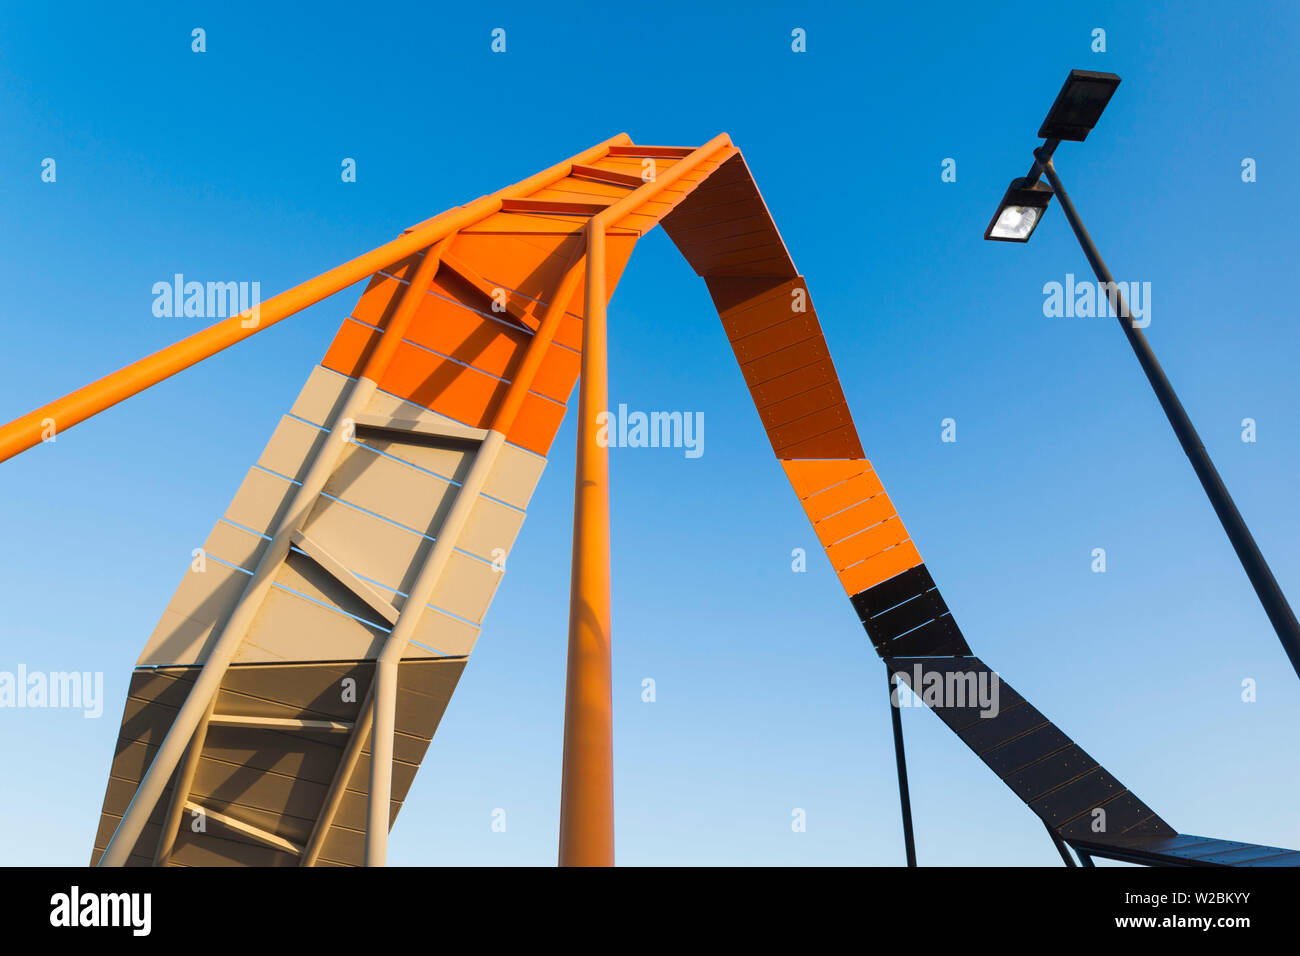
{"x":470,"y":275}
{"x":587,"y":780}
{"x":22,"y":433}
{"x":541,"y":341}
{"x":395,"y":331}
{"x":552,"y":207}
{"x":667,"y":152}
{"x":587,"y":785}
{"x":606,"y":176}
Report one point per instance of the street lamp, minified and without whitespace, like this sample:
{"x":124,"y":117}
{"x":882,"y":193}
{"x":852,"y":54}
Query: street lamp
{"x":1072,"y":117}
{"x":1019,"y":212}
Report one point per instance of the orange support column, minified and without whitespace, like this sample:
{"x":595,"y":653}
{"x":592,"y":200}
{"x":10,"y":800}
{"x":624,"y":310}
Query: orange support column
{"x":587,"y":794}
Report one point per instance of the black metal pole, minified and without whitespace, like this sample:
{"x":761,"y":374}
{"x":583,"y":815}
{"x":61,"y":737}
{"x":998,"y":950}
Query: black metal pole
{"x":1261,"y":576}
{"x":904,"y":800}
{"x":1060,"y":847}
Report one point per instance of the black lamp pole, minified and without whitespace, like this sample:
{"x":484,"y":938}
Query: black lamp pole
{"x":1257,"y":569}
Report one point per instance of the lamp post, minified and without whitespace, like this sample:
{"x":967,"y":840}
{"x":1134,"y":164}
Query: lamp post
{"x":1077,"y":108}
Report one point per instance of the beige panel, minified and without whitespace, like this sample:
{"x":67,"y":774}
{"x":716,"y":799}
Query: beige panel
{"x":149,"y":683}
{"x":303,"y":575}
{"x":352,"y":810}
{"x":452,"y":637}
{"x":261,"y":501}
{"x":262,"y":750}
{"x":376,"y":596}
{"x":269,"y":779}
{"x":108,"y":823}
{"x":292,"y":447}
{"x":390,"y":406}
{"x":513,"y":478}
{"x":466,"y":587}
{"x":432,"y":678}
{"x":514,"y":475}
{"x":203,"y":601}
{"x":491,"y":525}
{"x":375,"y":549}
{"x":391,"y":489}
{"x":343,"y":847}
{"x":118,"y":794}
{"x":368,"y":546}
{"x":136,"y":723}
{"x":222,"y":785}
{"x":258,"y":827}
{"x":291,"y":628}
{"x":447,"y":462}
{"x":322,"y":396}
{"x":235,"y":545}
{"x":309,"y":690}
{"x":315,"y":689}
{"x":145,"y":722}
{"x":220,"y":847}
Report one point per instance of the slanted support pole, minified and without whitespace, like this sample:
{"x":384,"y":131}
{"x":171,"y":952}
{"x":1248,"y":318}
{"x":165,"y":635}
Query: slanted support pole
{"x":900,"y":757}
{"x":1275,"y":604}
{"x":181,"y":787}
{"x":1061,"y":848}
{"x":32,"y":428}
{"x":587,"y":785}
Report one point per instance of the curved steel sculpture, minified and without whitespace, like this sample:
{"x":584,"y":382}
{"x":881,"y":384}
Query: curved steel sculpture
{"x":282,"y":706}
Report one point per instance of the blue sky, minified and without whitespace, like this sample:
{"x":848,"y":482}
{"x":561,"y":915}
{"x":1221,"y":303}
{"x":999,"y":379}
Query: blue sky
{"x":225,"y":165}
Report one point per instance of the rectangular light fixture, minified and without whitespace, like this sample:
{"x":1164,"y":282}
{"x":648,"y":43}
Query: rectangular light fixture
{"x":1079,"y":105}
{"x":1020,"y":211}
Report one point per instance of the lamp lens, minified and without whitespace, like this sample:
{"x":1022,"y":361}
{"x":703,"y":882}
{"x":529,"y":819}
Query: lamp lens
{"x":1016,"y":222}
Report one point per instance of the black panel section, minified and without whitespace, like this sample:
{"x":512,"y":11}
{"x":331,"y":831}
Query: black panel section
{"x":1187,"y":850}
{"x":1079,"y":797}
{"x":1047,"y":774}
{"x":992,"y":732}
{"x":907,"y":617}
{"x":1250,"y":855}
{"x":1026,"y":750}
{"x":1127,"y":818}
{"x":913,"y":632}
{"x":1056,"y":778}
{"x":912,"y":613}
{"x":896,"y":590}
{"x":957,"y":718}
{"x":937,"y":638}
{"x":1177,"y":844}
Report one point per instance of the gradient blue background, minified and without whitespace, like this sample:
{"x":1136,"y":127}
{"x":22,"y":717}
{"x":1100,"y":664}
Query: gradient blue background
{"x":225,"y":166}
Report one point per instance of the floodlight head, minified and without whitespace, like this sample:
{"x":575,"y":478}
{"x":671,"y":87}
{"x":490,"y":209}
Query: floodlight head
{"x":1020,"y":211}
{"x":1079,"y":105}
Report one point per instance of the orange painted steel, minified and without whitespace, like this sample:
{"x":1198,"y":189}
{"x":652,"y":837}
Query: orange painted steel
{"x":382,"y":355}
{"x":535,"y":356}
{"x":854,"y":520}
{"x":423,"y":333}
{"x":25,"y":432}
{"x":587,"y":781}
{"x":587,"y":784}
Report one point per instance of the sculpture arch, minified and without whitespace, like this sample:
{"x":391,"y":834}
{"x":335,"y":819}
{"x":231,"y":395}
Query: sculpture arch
{"x":350,"y":573}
